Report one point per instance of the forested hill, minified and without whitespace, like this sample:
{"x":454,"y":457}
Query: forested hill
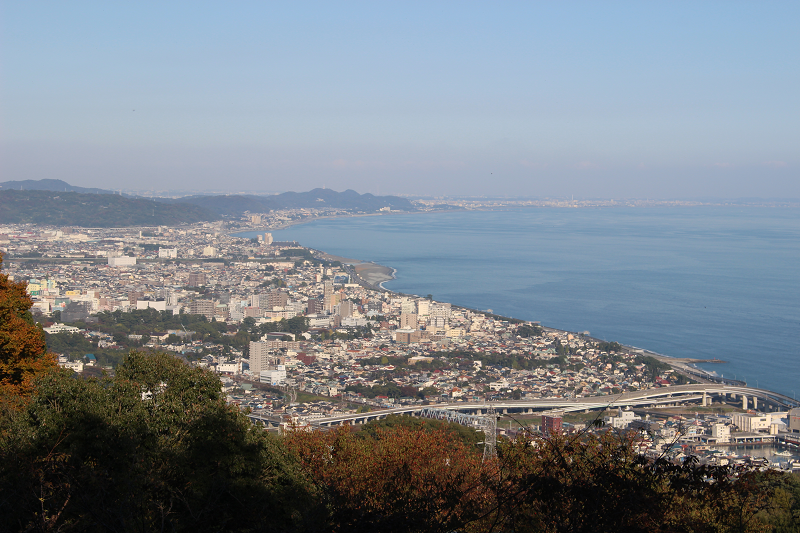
{"x":49,"y":185}
{"x":316,"y":198}
{"x":227,"y":204}
{"x":94,"y":210}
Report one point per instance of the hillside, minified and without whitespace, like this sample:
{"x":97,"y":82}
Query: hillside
{"x":317,"y":198}
{"x":93,"y":210}
{"x":228,"y":204}
{"x":49,"y":185}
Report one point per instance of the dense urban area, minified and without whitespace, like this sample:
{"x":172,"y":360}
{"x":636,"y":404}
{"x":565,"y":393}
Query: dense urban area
{"x":308,"y":346}
{"x":295,"y":334}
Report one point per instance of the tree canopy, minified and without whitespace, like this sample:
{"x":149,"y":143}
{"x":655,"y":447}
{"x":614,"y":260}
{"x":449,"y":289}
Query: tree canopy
{"x":23,"y":353}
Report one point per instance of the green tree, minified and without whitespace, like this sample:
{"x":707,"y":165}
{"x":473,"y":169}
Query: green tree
{"x":153,"y":448}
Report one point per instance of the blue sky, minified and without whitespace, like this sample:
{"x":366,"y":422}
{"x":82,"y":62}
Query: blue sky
{"x":591,"y":99}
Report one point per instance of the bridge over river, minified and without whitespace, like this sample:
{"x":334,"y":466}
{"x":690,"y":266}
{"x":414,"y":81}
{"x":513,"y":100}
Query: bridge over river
{"x":704,"y":393}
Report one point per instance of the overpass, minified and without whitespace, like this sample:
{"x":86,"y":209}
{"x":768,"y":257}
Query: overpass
{"x":662,"y":396}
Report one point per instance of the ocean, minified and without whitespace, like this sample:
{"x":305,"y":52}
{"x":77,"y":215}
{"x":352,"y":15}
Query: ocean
{"x":701,"y":282}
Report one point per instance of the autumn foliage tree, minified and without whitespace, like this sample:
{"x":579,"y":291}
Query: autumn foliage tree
{"x":398,"y":479}
{"x":23,"y":352}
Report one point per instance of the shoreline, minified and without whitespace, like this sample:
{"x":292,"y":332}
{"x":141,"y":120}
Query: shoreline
{"x":380,"y":274}
{"x":374,"y":275}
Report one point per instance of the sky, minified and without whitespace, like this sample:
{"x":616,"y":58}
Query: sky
{"x":537,"y":99}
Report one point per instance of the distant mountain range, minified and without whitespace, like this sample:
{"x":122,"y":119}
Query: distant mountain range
{"x":317,"y":198}
{"x":57,"y":202}
{"x":93,"y":210}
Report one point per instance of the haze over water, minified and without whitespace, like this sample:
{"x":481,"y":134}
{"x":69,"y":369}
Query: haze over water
{"x":704,"y":282}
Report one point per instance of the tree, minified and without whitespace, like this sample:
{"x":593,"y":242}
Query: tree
{"x":400,"y":479}
{"x":153,"y":448}
{"x":588,"y":483}
{"x":23,"y":352}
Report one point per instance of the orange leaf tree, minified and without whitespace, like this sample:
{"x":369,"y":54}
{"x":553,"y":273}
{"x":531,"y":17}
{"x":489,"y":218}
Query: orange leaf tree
{"x":399,"y":480}
{"x":23,"y":352}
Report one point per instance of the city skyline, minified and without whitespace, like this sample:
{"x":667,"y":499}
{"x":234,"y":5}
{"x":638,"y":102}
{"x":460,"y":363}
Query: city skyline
{"x":592,"y":100}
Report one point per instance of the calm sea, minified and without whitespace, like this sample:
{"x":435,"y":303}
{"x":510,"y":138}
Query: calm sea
{"x":704,"y":282}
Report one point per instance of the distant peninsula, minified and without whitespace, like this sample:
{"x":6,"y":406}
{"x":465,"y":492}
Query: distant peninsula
{"x":56,"y":202}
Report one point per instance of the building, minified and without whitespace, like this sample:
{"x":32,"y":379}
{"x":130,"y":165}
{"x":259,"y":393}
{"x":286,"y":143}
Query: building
{"x":203,"y":307}
{"x":273,"y":299}
{"x":405,"y":336}
{"x":408,"y":307}
{"x":75,"y":311}
{"x":440,"y":315}
{"x":344,"y":309}
{"x":197,"y":279}
{"x":721,"y":432}
{"x":424,"y":307}
{"x":268,"y":238}
{"x":274,"y":375}
{"x":408,"y":321}
{"x":327,"y":296}
{"x":315,"y":306}
{"x":259,"y":357}
{"x":552,"y":424}
{"x":622,"y":420}
{"x":121,"y":261}
{"x":752,"y":423}
{"x":167,"y":253}
{"x":794,"y":420}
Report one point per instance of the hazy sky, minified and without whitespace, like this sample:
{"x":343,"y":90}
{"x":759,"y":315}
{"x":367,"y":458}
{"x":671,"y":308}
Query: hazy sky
{"x":594,"y":99}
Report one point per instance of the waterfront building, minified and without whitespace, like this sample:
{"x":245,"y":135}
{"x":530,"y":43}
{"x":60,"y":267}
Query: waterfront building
{"x":794,"y":420}
{"x":751,"y":423}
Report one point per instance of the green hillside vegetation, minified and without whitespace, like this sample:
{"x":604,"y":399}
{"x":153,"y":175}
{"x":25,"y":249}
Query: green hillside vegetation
{"x":93,"y":210}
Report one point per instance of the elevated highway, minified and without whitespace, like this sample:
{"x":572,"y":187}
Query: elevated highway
{"x":705,"y":393}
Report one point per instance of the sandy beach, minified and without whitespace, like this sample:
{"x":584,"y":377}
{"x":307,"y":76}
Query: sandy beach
{"x":373,"y":273}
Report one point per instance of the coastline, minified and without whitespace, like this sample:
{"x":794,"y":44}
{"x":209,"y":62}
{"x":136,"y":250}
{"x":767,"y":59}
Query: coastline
{"x":374,"y":275}
{"x":381,"y":274}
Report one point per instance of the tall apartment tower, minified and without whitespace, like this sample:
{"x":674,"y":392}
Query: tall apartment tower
{"x":327,"y":295}
{"x":274,"y":299}
{"x":268,"y":238}
{"x":408,"y":321}
{"x":345,"y":308}
{"x":259,"y":357}
{"x":315,"y":306}
{"x":440,"y":315}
